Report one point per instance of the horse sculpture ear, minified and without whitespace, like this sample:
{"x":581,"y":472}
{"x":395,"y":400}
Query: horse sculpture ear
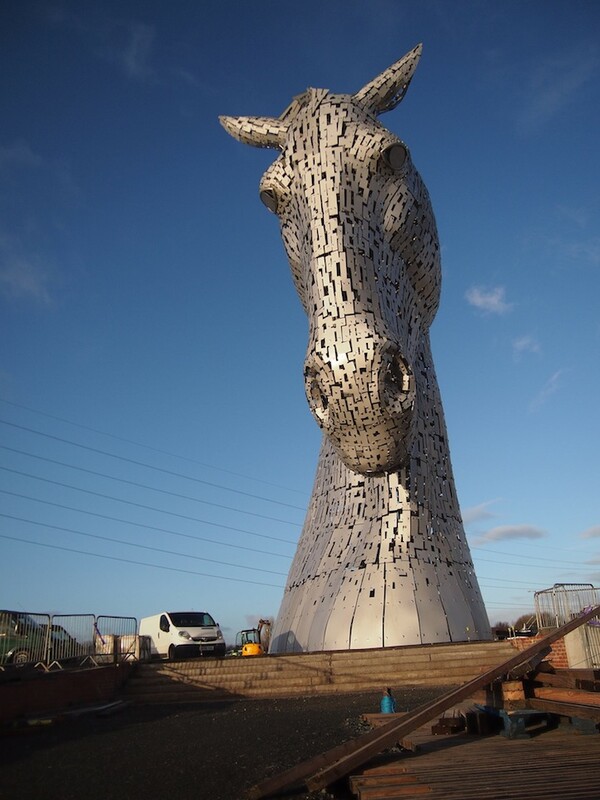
{"x":385,"y":91}
{"x":257,"y":131}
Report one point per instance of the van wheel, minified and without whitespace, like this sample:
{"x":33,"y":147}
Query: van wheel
{"x":20,"y":658}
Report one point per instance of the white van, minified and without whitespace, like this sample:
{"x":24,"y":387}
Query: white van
{"x":183,"y":634}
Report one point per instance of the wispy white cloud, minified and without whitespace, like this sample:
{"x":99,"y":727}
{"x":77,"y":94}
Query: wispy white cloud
{"x":505,"y":532}
{"x":478,"y":513}
{"x":579,"y":247}
{"x":490,"y":301}
{"x":525,"y":344}
{"x":555,"y":84}
{"x":135,"y":57}
{"x":186,"y":76}
{"x":19,"y":154}
{"x":24,"y":274}
{"x":128,"y":45}
{"x":571,"y":239}
{"x":591,"y":533}
{"x":568,"y":250}
{"x":579,"y":216}
{"x":588,"y":250}
{"x":21,"y":278}
{"x":552,"y":385}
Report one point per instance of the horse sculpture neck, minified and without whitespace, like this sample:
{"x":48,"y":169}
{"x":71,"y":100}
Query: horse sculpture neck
{"x":382,"y":558}
{"x":383,"y":561}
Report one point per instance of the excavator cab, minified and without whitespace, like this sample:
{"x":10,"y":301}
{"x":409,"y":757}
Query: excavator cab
{"x":248,"y":643}
{"x":253,"y":641}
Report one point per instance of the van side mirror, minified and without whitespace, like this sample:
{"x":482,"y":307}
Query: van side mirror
{"x":164,"y":624}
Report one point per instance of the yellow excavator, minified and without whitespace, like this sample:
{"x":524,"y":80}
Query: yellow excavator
{"x":253,"y":641}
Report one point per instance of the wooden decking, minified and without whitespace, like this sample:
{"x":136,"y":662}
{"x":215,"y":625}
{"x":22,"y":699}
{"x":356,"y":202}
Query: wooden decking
{"x":559,"y":763}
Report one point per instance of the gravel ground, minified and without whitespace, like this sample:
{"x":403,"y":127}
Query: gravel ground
{"x":212,"y":751}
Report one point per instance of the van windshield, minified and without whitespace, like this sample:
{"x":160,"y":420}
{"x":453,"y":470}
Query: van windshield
{"x":191,"y":619}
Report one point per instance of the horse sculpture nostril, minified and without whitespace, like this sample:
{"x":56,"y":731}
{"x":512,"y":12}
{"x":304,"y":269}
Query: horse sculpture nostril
{"x":398,"y":391}
{"x":396,"y":378}
{"x":317,"y":398}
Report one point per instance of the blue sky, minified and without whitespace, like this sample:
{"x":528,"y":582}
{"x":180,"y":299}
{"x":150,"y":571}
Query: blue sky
{"x":157,"y":451}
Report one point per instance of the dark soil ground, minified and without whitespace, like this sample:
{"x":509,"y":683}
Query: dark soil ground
{"x":209,"y":751}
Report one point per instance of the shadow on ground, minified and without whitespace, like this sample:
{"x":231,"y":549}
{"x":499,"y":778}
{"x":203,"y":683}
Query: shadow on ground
{"x":214,"y":750}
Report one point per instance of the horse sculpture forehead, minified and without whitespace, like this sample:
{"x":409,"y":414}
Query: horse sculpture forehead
{"x":320,"y":121}
{"x":332,"y":175}
{"x":317,"y":103}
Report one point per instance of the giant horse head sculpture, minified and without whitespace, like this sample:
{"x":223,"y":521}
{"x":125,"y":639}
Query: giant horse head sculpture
{"x":361,"y":240}
{"x":382,"y":559}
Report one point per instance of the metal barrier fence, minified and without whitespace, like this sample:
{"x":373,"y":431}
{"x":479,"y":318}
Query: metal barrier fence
{"x":71,"y":637}
{"x":114,"y":639}
{"x":563,"y":602}
{"x":60,"y":640}
{"x":23,"y":637}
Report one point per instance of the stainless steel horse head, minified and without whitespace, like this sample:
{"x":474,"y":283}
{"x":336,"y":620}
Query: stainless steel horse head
{"x":361,"y":239}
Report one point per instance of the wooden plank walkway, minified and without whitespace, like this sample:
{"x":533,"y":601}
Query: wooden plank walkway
{"x":558,"y":763}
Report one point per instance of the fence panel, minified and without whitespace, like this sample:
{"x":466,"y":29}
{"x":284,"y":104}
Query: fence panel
{"x":108,"y":633}
{"x":71,"y":638}
{"x":560,"y":604}
{"x":67,"y":640}
{"x":23,"y":638}
{"x":563,"y":602}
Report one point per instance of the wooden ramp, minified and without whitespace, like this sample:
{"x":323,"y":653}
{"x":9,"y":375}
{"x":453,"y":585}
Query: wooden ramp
{"x":557,"y":764}
{"x":328,"y":767}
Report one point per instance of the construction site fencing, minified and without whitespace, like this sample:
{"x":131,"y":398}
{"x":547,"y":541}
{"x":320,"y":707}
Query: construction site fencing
{"x":563,"y":602}
{"x":59,"y":641}
{"x":71,"y":637}
{"x":116,"y":639}
{"x":560,"y":604}
{"x":23,"y":637}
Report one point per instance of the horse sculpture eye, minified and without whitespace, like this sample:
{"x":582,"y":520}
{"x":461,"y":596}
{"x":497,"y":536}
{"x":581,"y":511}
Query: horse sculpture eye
{"x":395,"y":156}
{"x":269,"y":198}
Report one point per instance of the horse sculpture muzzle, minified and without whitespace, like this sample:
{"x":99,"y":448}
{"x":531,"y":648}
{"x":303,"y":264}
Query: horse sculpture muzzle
{"x":369,"y":418}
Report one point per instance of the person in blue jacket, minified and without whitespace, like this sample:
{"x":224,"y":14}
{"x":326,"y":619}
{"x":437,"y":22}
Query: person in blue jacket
{"x":388,"y":702}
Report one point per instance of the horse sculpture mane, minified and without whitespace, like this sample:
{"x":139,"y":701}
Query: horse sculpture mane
{"x":382,"y":559}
